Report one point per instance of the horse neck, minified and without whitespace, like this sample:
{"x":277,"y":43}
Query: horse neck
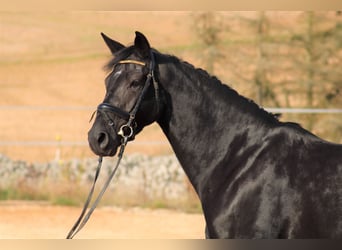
{"x":202,"y":120}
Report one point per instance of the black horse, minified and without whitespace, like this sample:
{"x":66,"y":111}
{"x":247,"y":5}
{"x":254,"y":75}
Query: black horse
{"x":256,"y":177}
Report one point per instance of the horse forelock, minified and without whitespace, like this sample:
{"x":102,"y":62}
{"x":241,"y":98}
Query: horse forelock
{"x":120,"y":55}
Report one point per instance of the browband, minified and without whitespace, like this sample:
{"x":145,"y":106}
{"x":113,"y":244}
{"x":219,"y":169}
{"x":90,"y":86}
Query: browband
{"x":127,"y":62}
{"x":132,"y":61}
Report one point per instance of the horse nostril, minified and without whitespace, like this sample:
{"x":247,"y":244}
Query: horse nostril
{"x":103,"y":140}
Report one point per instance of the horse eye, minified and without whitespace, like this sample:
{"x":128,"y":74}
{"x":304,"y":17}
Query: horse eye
{"x":135,"y":83}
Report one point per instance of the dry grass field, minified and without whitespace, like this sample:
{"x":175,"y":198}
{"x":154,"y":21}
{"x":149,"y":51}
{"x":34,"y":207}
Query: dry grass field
{"x":55,"y":59}
{"x":50,"y":60}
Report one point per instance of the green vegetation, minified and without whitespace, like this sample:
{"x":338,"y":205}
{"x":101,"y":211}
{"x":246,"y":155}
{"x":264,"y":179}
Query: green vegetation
{"x":65,"y":201}
{"x":15,"y":193}
{"x":190,"y":205}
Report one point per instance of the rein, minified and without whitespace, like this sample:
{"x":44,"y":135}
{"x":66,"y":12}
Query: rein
{"x":126,"y":131}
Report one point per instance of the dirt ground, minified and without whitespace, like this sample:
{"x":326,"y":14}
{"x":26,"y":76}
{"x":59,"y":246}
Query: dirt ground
{"x":27,"y":220}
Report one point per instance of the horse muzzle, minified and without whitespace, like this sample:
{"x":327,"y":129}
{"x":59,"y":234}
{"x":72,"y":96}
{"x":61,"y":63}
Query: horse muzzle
{"x":102,"y":143}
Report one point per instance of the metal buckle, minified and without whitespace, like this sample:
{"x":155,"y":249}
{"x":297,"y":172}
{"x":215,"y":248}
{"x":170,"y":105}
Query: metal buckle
{"x":126,"y":134}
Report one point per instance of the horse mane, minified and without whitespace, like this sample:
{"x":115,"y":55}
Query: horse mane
{"x":223,"y":89}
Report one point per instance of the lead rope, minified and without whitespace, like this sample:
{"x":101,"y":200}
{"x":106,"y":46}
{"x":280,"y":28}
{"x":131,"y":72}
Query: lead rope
{"x":82,"y":220}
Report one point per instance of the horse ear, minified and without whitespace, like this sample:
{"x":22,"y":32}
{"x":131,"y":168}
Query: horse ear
{"x":142,"y":45}
{"x":114,"y":46}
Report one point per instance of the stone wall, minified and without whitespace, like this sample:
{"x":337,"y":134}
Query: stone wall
{"x":151,"y":177}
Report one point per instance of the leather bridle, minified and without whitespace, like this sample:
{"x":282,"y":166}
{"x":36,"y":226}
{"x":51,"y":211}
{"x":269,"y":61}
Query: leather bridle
{"x":126,"y":131}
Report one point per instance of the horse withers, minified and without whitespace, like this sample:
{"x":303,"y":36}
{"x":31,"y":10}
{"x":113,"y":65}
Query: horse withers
{"x":256,"y":177}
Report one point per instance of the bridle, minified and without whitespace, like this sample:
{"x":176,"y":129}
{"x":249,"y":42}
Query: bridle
{"x":126,"y":131}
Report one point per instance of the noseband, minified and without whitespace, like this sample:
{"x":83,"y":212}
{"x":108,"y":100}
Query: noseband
{"x":126,"y":131}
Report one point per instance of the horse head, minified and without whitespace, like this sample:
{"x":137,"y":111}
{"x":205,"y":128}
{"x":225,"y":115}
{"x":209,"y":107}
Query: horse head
{"x":132,"y":96}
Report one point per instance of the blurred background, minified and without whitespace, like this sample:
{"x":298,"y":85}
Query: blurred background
{"x":52,"y":79}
